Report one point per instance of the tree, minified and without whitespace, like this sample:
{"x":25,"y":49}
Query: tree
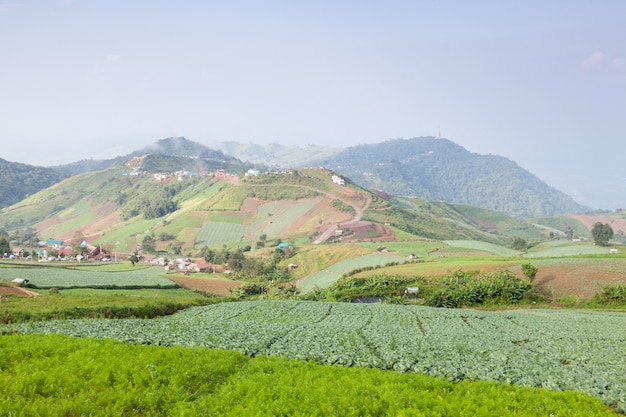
{"x":148,"y":244}
{"x":530,"y":271}
{"x":601,"y":233}
{"x":519,"y":243}
{"x":5,"y":247}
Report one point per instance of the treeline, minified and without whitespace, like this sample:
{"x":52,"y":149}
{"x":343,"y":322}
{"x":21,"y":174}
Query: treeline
{"x":152,"y":200}
{"x":17,"y":181}
{"x":250,"y":268}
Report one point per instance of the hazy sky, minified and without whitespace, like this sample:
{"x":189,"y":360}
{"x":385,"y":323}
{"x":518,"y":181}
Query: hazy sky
{"x":540,"y":82}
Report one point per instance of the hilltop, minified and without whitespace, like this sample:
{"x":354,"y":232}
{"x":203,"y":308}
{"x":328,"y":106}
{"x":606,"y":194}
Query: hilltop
{"x":184,"y":209}
{"x":435,"y":169}
{"x":439,"y":169}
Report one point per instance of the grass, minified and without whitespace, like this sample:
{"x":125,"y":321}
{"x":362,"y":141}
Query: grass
{"x":420,"y":248}
{"x":482,"y":247}
{"x":96,"y":303}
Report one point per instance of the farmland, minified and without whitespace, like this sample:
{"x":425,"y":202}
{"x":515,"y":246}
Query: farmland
{"x":218,"y":233}
{"x":57,"y":375}
{"x":57,"y":277}
{"x":331,"y":274}
{"x":529,"y":348}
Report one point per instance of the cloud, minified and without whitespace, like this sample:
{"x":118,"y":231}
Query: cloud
{"x":619,"y":63}
{"x":5,"y":7}
{"x":593,"y":60}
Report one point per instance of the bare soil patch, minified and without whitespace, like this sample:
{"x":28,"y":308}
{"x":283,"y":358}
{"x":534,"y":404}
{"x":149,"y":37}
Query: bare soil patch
{"x":218,"y":287}
{"x":589,"y":220}
{"x":20,"y":292}
{"x":583,"y":280}
{"x":367,"y":231}
{"x":487,"y":224}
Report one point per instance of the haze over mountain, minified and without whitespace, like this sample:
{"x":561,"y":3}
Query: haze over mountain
{"x":430,"y":168}
{"x":436,"y":169}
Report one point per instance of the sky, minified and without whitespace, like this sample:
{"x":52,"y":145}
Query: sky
{"x":542,"y":83}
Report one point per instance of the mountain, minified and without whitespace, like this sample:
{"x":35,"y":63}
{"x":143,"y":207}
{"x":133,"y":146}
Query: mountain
{"x":174,"y":146}
{"x":439,"y":169}
{"x":18,"y":180}
{"x":435,"y":169}
{"x":276,"y":155}
{"x":189,"y":212}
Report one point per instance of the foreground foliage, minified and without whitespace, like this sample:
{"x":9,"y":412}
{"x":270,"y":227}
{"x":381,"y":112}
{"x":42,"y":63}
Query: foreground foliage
{"x":57,"y":375}
{"x":559,"y":350}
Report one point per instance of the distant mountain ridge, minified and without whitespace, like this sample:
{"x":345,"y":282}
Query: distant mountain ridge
{"x":426,"y":167}
{"x":439,"y":169}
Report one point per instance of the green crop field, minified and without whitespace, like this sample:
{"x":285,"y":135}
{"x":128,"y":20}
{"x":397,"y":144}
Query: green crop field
{"x":481,"y":246}
{"x":332,"y":273}
{"x":274,"y":217}
{"x":56,"y":375}
{"x":405,"y":248}
{"x":219,"y":233}
{"x":568,"y":250}
{"x":581,"y":351}
{"x":89,"y":278}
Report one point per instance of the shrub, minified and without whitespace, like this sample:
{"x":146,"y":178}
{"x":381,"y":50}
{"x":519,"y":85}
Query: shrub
{"x":612,"y":294}
{"x":462,"y":288}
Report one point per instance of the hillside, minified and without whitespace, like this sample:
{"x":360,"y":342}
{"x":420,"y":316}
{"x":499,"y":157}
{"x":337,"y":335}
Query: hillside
{"x":438,"y":169}
{"x":276,"y":155}
{"x":184,"y":211}
{"x":205,"y":157}
{"x":435,"y":169}
{"x":20,"y":180}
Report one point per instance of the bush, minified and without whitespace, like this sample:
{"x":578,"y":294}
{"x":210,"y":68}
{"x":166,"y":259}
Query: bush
{"x":612,"y":294}
{"x":462,"y":289}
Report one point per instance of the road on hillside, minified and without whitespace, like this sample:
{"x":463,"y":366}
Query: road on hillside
{"x":358,"y":214}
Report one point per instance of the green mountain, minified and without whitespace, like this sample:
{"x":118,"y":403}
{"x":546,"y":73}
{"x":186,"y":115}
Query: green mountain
{"x":438,"y":169}
{"x":17,"y":180}
{"x":185,"y":212}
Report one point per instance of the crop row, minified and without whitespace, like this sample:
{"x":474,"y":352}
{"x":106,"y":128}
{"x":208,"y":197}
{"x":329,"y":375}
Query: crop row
{"x":558,"y":350}
{"x":331,"y":274}
{"x":74,"y":278}
{"x":217,"y":233}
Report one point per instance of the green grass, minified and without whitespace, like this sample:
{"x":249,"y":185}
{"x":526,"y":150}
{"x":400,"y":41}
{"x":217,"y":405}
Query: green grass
{"x":482,"y":247}
{"x":406,"y":248}
{"x":59,"y":375}
{"x":77,"y":303}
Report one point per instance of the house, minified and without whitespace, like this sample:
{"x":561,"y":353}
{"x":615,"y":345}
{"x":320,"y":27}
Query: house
{"x":65,"y":252}
{"x":210,"y":267}
{"x":53,"y":243}
{"x":18,"y":252}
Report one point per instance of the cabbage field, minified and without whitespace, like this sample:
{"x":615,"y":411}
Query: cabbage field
{"x":58,"y":277}
{"x":582,"y":351}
